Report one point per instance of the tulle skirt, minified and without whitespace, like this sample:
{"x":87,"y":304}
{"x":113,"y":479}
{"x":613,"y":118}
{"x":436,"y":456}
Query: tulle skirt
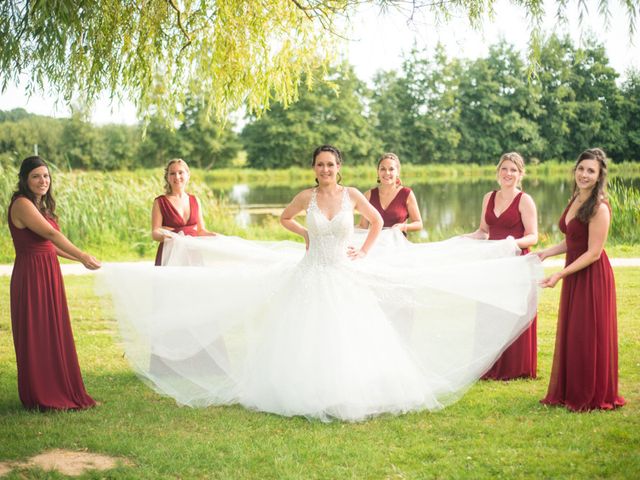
{"x":410,"y":327}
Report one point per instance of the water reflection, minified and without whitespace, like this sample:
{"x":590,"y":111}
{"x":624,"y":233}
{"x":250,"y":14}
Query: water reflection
{"x":239,"y":193}
{"x":447,"y":208}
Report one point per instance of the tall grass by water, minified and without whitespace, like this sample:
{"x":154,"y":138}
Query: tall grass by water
{"x":108,"y":213}
{"x":625,"y":221}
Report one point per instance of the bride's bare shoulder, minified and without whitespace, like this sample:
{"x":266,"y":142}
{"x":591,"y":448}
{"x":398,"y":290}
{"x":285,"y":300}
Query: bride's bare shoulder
{"x":305,"y":194}
{"x":355,"y":194}
{"x":302,"y":198}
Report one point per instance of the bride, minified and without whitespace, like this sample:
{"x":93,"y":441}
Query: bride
{"x":343,"y":327}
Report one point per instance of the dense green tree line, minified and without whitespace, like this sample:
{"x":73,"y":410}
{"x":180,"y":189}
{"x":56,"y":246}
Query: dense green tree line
{"x":75,"y":143}
{"x":434,"y":110}
{"x":442,"y":110}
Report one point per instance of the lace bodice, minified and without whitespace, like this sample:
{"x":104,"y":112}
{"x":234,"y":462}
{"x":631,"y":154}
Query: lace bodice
{"x":329,"y":239}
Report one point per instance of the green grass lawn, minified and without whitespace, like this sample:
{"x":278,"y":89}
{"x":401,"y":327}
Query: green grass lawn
{"x":497,"y":430}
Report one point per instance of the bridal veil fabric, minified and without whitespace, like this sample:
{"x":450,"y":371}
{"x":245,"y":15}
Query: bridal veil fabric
{"x":279,"y":329}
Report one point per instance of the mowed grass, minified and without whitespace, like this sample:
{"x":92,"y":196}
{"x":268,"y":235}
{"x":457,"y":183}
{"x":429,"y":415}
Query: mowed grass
{"x":497,"y":430}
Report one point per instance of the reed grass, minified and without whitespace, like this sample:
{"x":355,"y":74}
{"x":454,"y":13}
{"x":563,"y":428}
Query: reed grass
{"x":625,"y":221}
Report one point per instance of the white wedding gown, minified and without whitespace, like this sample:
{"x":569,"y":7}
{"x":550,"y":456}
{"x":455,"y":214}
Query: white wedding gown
{"x":277,"y":329}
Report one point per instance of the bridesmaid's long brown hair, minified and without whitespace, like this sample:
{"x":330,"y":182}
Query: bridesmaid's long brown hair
{"x":599,"y":192}
{"x":47,"y":204}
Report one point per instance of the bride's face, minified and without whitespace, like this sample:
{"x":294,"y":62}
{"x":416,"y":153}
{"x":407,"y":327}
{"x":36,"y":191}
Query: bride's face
{"x":326,"y":168}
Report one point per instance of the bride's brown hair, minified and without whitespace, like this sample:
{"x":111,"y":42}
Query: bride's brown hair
{"x":331,"y":149}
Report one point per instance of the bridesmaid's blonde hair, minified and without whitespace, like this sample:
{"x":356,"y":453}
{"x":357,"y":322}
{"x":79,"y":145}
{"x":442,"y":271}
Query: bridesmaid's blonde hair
{"x":394,"y":157}
{"x":167,"y":185}
{"x":517,"y":159}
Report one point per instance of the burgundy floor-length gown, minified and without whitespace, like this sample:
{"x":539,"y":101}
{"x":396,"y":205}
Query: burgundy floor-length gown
{"x":171,"y":218}
{"x":584,"y":375}
{"x":521,"y":358}
{"x":396,"y":211}
{"x":48,"y":371}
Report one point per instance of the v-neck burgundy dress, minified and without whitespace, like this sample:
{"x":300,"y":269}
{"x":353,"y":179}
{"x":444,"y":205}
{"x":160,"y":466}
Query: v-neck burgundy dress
{"x":520,"y":359}
{"x":171,"y":218}
{"x":584,"y":375}
{"x":396,"y":211}
{"x":48,"y":371}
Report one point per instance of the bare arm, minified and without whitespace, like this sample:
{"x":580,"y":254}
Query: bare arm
{"x":415,"y":219}
{"x":202,"y":230}
{"x":156,"y":222}
{"x":598,"y":230}
{"x":482,"y":233}
{"x":63,"y":254}
{"x":529,"y":216}
{"x":552,"y":251}
{"x":373,"y":218}
{"x":364,"y":223}
{"x":25,"y":214}
{"x":297,"y":205}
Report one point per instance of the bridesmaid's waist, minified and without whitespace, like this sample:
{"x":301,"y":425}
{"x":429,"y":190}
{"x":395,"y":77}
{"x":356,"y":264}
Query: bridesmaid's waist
{"x":35,"y":249}
{"x":191,"y":230}
{"x":573,"y":253}
{"x":390,"y":221}
{"x":496,"y":233}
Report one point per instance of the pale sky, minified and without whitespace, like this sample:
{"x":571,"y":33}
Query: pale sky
{"x":379,"y":42}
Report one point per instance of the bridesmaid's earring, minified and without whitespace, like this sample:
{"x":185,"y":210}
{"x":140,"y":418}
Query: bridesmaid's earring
{"x":378,"y":180}
{"x":317,"y":182}
{"x":339,"y":177}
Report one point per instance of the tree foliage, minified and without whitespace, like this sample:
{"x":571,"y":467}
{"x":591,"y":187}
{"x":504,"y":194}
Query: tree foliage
{"x":434,"y":110}
{"x":450,"y":110}
{"x":74,"y":143}
{"x":231,"y":53}
{"x":283,"y":137}
{"x":156,"y":53}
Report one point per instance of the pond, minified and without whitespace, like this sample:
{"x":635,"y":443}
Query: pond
{"x":448,"y":208}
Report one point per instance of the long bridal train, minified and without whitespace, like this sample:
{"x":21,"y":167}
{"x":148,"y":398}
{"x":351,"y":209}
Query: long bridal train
{"x":267,"y":326}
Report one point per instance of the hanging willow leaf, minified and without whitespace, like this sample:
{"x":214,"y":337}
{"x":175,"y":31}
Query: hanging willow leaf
{"x":231,"y":53}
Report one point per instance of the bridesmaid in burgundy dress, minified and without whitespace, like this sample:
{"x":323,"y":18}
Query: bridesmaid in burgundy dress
{"x":584,"y":375}
{"x":395,"y":203}
{"x":176,"y":210}
{"x":511,"y":212}
{"x":48,"y":372}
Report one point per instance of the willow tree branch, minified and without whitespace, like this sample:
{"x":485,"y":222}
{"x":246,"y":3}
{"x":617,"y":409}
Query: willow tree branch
{"x":173,"y":5}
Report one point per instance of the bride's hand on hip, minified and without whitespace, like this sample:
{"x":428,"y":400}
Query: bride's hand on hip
{"x":355,"y":254}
